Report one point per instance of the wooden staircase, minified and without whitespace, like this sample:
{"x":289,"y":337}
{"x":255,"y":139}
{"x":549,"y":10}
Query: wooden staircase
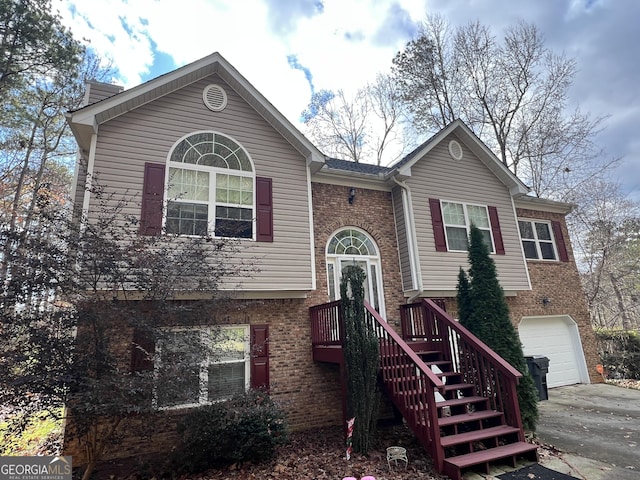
{"x":456,"y":394}
{"x":473,"y":435}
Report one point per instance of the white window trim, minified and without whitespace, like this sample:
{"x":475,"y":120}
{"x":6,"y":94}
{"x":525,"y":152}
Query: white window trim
{"x":213,"y":171}
{"x":204,"y":365}
{"x":467,"y":225}
{"x":537,"y":241}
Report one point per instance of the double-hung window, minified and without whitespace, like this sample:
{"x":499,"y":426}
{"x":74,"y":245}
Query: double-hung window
{"x":458,"y":218}
{"x":211,"y":185}
{"x":196,"y":366}
{"x":537,"y":240}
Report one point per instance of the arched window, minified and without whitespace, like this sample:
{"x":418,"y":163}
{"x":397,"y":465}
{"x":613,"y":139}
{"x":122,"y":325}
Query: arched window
{"x":352,"y":246}
{"x":211,"y":184}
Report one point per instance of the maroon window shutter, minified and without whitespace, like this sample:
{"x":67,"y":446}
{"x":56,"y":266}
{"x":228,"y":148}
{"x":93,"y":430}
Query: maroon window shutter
{"x":495,"y":229}
{"x":260,"y":357}
{"x":152,"y":196}
{"x":438,"y":225}
{"x":142,"y":350}
{"x":560,"y":243}
{"x":264,"y":210}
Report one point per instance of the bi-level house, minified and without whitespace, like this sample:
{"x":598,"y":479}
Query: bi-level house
{"x":240,"y":166}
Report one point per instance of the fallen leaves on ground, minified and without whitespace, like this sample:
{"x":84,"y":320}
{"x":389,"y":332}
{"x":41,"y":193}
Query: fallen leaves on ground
{"x":320,"y":454}
{"x":625,"y":383}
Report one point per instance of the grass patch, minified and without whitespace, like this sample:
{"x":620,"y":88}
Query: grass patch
{"x":36,"y":435}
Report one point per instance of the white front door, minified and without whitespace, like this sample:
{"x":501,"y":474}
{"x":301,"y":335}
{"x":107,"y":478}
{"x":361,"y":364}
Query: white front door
{"x":352,"y":246}
{"x":371,"y":287}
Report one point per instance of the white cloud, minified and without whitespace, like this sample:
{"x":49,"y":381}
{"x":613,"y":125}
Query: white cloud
{"x":344,"y":43}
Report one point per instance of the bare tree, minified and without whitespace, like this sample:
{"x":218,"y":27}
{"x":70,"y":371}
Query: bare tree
{"x":389,"y":133}
{"x":338,"y":123}
{"x":512,"y":93}
{"x":369,"y":126}
{"x":606,"y":230}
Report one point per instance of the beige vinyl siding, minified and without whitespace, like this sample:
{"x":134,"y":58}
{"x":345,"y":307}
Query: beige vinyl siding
{"x":403,"y":245}
{"x":98,"y":91}
{"x":148,"y":133}
{"x":465,"y":181}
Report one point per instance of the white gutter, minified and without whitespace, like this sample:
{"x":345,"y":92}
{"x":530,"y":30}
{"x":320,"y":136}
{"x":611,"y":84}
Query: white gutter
{"x":414,"y":257}
{"x":88,"y":180}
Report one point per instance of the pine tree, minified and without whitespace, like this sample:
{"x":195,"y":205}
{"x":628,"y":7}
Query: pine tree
{"x":463,"y":299}
{"x":484,"y":311}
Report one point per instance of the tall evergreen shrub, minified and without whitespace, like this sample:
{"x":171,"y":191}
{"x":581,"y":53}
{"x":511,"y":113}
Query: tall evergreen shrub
{"x":483,"y":310}
{"x":362,"y":360}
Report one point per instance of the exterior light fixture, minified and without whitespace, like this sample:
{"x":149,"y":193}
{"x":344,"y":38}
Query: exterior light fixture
{"x":352,"y":195}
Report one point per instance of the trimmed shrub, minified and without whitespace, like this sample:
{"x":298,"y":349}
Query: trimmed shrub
{"x":247,"y":427}
{"x":620,"y":353}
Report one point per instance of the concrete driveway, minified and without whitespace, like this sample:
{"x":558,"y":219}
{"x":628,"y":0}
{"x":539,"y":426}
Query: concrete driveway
{"x":600,"y":424}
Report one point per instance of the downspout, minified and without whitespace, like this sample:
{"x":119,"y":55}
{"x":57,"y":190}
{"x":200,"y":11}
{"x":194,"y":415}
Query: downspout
{"x":414,"y":257}
{"x":88,"y":179}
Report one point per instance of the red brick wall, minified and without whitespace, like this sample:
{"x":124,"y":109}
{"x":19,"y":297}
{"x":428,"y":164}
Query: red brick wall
{"x":560,"y":282}
{"x":309,"y":391}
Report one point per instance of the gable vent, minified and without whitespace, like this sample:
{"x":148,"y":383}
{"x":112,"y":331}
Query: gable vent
{"x":455,"y":150}
{"x":215,"y":98}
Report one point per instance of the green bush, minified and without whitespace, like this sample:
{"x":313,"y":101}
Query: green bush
{"x":620,"y":353}
{"x":247,"y":427}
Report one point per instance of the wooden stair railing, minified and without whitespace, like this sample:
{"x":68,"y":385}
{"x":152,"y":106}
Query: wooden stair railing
{"x":492,"y":376}
{"x":483,"y":422}
{"x":475,"y":419}
{"x":409,"y":383}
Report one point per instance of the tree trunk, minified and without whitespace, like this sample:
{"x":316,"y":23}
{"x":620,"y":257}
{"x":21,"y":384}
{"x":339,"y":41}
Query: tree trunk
{"x":626,"y":321}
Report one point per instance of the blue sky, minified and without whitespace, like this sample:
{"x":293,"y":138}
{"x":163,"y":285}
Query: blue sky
{"x":289,"y":48}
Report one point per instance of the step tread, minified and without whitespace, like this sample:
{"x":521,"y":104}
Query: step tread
{"x":468,"y":417}
{"x":427,"y":352}
{"x":490,"y":454}
{"x":438,"y":362}
{"x":477,"y":435}
{"x":400,"y":353}
{"x":458,"y":386}
{"x":454,"y":402}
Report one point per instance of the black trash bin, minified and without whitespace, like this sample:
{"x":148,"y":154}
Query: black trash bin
{"x":538,"y":368}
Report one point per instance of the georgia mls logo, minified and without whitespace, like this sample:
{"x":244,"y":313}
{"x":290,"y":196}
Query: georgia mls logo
{"x":35,"y":468}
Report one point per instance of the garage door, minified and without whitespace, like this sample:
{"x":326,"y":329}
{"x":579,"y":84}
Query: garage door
{"x":556,"y":338}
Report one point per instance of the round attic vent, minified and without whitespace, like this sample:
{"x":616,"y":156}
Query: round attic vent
{"x":455,"y":150}
{"x":215,"y":98}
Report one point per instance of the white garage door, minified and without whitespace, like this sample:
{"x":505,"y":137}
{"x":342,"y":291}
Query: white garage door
{"x":558,"y":339}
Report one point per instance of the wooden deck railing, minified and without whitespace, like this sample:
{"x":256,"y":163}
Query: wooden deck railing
{"x":327,"y":327}
{"x":409,"y":382}
{"x":492,"y":376}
